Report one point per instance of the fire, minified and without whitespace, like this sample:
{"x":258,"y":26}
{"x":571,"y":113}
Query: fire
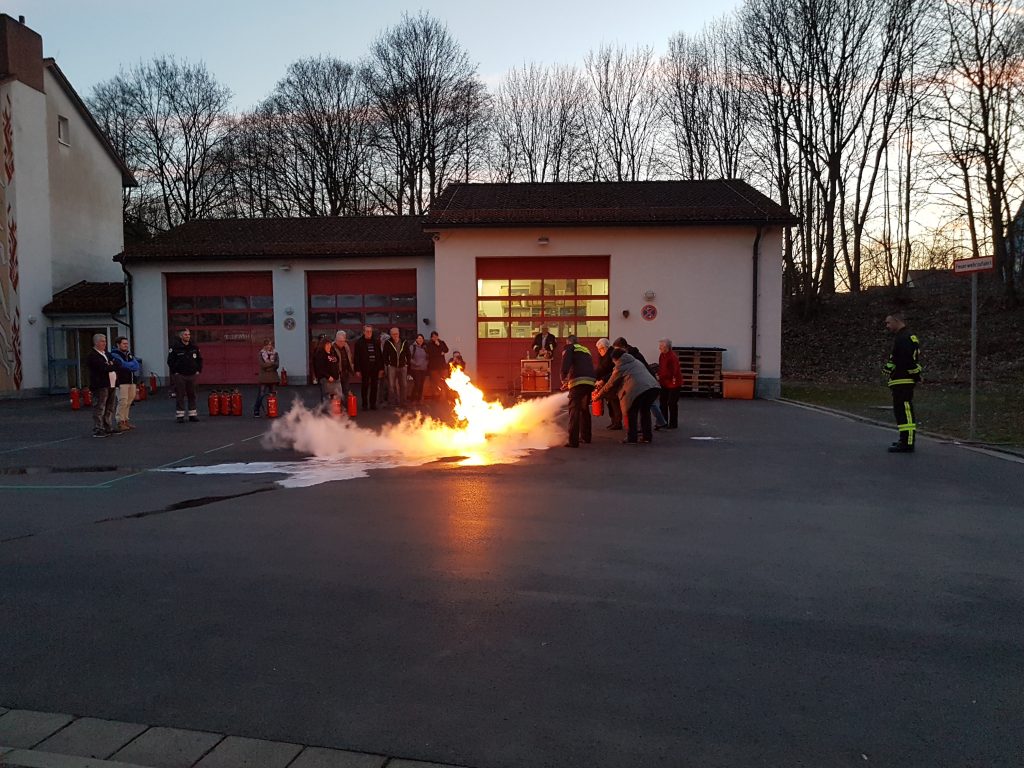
{"x":485,"y":432}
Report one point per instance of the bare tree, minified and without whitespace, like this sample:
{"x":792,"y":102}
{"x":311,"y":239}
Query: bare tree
{"x":625,"y":113}
{"x":705,"y":104}
{"x":539,"y":124}
{"x":426,"y":101}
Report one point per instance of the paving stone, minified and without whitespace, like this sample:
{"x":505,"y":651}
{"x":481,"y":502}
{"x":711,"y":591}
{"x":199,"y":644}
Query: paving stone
{"x":32,"y":758}
{"x":236,"y":752}
{"x":317,"y":757}
{"x":168,"y":748}
{"x":90,"y":737}
{"x":25,"y":728}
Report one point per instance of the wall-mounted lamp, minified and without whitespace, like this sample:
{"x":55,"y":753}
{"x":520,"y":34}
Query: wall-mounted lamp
{"x":625,"y":313}
{"x":649,"y":295}
{"x":289,"y":311}
{"x":543,"y":240}
{"x":426,"y":321}
{"x":286,"y":267}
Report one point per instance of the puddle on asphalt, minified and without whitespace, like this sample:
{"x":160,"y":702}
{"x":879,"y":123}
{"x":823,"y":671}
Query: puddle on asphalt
{"x":63,"y":470}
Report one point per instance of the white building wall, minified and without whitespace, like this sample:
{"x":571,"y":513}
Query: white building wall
{"x":31,"y":211}
{"x":702,"y":278}
{"x":149,"y":302}
{"x":85,"y":197}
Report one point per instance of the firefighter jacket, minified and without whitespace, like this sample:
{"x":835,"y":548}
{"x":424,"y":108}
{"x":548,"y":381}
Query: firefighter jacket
{"x":903,"y":366}
{"x":185,"y":359}
{"x":577,"y":367}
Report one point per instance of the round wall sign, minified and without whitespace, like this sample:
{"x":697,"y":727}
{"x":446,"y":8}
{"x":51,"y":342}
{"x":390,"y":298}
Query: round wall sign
{"x":649,"y":312}
{"x":289,"y":323}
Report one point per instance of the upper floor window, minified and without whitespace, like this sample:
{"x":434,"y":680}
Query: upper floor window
{"x":63,"y":130}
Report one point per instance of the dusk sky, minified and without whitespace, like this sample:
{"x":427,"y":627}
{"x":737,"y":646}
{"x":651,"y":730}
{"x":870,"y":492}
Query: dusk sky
{"x":248,"y":45}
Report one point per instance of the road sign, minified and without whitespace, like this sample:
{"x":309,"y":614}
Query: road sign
{"x":648,"y":312}
{"x":981,"y":264}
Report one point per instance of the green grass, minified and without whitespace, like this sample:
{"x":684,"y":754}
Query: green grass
{"x":938,"y":408}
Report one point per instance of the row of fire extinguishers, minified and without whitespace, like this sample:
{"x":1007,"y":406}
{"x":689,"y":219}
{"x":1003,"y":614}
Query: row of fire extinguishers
{"x":79,"y":397}
{"x":226,"y":403}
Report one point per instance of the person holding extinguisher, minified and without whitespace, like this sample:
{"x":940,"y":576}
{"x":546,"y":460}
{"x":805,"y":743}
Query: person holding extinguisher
{"x":268,"y":361}
{"x":578,"y":378}
{"x":185,"y":362}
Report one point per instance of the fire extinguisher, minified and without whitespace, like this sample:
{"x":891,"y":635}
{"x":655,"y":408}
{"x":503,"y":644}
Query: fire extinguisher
{"x":213,"y":403}
{"x":284,"y":376}
{"x":236,"y":403}
{"x":351,"y":405}
{"x":87,"y":397}
{"x":140,"y":393}
{"x":597,"y":407}
{"x":76,"y":399}
{"x":271,"y":406}
{"x":336,"y":407}
{"x":225,"y":403}
{"x":152,"y":383}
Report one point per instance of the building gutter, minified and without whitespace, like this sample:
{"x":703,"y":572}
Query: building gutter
{"x":131,"y":305}
{"x":755,"y":259}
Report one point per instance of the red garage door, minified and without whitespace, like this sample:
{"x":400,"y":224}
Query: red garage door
{"x":515,"y":297}
{"x":348,"y":300}
{"x":229,"y":314}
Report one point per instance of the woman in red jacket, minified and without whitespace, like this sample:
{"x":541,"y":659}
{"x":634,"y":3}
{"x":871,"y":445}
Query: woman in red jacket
{"x":670,"y":377}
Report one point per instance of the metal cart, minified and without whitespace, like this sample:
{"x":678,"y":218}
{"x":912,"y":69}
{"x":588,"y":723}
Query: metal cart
{"x":535,"y":377}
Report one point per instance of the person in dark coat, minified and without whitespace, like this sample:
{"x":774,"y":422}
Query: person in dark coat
{"x":103,"y":370}
{"x":396,"y":366}
{"x":327,"y":369}
{"x":904,"y":371}
{"x":437,"y":364}
{"x":578,"y":378}
{"x":185,"y":362}
{"x":544,"y":343}
{"x":369,"y":361}
{"x":603,"y":372}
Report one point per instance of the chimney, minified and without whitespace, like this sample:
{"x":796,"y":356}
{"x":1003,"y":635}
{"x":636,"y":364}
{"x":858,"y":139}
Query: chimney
{"x":21,"y":52}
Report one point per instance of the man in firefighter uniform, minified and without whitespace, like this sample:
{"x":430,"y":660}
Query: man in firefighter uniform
{"x":904,"y":371}
{"x":184,"y":361}
{"x":578,"y":378}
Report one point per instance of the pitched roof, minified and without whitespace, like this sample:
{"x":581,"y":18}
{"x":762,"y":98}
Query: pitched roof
{"x":127,"y":178}
{"x":87,"y":298}
{"x":353,"y":236}
{"x":625,"y":203}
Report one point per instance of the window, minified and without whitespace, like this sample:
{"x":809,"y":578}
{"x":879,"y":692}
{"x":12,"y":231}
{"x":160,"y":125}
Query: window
{"x":63,"y":130}
{"x":578,"y":306}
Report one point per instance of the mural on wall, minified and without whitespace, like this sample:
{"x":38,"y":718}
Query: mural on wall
{"x":10,"y":311}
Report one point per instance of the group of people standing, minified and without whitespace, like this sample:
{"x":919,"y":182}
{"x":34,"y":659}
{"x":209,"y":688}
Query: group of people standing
{"x":113,"y":379}
{"x":385,"y":365}
{"x":624,"y":380}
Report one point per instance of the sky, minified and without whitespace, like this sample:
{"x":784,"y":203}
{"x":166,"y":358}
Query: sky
{"x":248,"y":45}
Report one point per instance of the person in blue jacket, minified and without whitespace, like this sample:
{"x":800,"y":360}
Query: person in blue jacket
{"x":128,"y":375}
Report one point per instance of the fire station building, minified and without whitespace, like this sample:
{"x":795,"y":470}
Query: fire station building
{"x":698,"y":262}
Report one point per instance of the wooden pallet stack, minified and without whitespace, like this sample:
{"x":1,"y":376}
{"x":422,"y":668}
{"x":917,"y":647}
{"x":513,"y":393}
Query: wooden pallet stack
{"x":702,"y":370}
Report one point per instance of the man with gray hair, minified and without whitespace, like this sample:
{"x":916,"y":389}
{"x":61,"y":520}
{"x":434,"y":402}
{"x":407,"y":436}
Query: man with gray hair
{"x":605,"y":367}
{"x":396,"y":363}
{"x":345,"y":365}
{"x":103,"y":383}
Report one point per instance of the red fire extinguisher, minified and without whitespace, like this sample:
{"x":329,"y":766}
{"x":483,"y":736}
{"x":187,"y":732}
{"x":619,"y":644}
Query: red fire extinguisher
{"x":351,"y":405}
{"x":152,"y":383}
{"x":336,"y":406}
{"x":87,"y":397}
{"x":141,"y":393}
{"x":271,"y":406}
{"x":76,"y":399}
{"x":236,"y":403}
{"x":597,"y":407}
{"x":225,"y":403}
{"x":284,"y":376}
{"x":213,"y":403}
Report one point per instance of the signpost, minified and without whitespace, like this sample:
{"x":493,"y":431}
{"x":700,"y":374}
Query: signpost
{"x":972,"y":267}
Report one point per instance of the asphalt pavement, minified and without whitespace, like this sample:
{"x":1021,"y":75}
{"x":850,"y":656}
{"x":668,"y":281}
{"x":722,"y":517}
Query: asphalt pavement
{"x":765,"y":586}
